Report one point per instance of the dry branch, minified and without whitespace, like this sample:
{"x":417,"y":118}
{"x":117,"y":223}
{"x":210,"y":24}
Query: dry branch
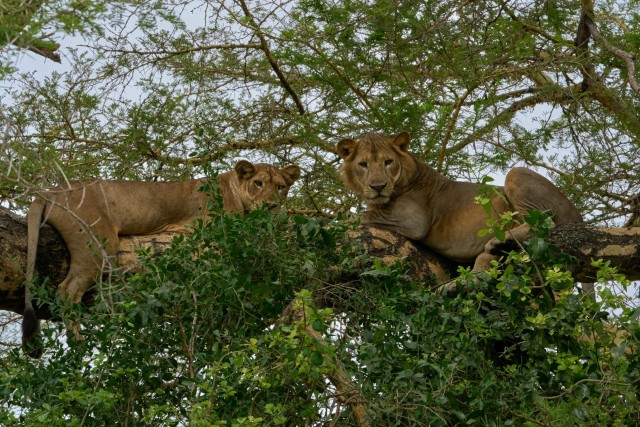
{"x":347,"y":391}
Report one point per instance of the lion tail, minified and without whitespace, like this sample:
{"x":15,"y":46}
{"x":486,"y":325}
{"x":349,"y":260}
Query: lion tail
{"x":30,"y":322}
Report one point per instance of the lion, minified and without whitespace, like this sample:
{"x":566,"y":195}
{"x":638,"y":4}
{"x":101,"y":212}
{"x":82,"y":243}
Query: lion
{"x":405,"y":195}
{"x":90,"y":215}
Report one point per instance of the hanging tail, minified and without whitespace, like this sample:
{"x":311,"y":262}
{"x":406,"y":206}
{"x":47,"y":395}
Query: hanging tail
{"x":31,"y":343}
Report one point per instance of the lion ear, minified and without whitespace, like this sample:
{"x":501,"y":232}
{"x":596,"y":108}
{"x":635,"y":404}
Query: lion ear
{"x":245,"y":169}
{"x":346,"y":147}
{"x":291,"y":174}
{"x":402,"y":140}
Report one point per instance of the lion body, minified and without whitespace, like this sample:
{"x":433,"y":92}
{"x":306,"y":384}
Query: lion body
{"x":91,"y":214}
{"x":405,"y":195}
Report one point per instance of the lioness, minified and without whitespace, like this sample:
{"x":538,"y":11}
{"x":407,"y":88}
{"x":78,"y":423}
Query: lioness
{"x":90,"y":215}
{"x":405,"y":195}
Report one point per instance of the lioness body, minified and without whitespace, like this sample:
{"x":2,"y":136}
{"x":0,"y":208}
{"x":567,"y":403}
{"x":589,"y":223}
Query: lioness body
{"x":91,"y":214}
{"x":405,"y":195}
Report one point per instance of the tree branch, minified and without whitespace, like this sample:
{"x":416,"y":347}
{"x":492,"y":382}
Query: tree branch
{"x":558,"y":96}
{"x":170,"y":53}
{"x":449,"y":131}
{"x":592,"y":84}
{"x":626,"y":57}
{"x":274,"y":64}
{"x":360,"y":94}
{"x":347,"y":392}
{"x":45,"y":50}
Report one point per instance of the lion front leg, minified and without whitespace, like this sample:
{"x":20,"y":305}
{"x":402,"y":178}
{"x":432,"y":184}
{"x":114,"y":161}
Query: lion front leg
{"x":495,"y":247}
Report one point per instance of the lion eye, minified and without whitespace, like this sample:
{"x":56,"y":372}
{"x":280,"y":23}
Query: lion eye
{"x":258,"y":183}
{"x":388,"y":162}
{"x":363,"y":165}
{"x":281,"y":187}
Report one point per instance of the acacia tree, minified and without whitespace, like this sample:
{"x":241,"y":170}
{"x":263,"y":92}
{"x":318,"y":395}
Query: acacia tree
{"x":481,"y":86}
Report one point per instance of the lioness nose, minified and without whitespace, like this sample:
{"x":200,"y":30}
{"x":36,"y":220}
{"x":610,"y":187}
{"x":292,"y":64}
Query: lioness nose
{"x":378,"y":187}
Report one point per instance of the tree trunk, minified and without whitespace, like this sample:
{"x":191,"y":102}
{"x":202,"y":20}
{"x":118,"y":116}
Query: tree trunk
{"x":619,"y":246}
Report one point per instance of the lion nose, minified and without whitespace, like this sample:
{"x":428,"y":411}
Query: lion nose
{"x":378,"y":187}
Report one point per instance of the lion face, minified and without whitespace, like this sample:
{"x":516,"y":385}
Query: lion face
{"x":376,"y":167}
{"x":263,"y":184}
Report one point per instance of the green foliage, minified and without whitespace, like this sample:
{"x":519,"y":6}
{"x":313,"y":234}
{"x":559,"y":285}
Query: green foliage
{"x":508,"y":350}
{"x":196,"y":337}
{"x":245,"y":322}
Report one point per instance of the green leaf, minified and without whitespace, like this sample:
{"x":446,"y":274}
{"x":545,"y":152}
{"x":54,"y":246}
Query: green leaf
{"x":316,"y":358}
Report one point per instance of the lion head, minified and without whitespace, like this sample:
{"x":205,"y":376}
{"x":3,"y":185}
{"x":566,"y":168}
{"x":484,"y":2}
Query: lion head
{"x":262,"y":184}
{"x":376,"y":167}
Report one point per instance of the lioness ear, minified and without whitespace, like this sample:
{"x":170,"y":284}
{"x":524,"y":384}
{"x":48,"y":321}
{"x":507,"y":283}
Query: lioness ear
{"x":402,"y":140}
{"x":346,"y":147}
{"x":291,"y":174}
{"x":245,"y":169}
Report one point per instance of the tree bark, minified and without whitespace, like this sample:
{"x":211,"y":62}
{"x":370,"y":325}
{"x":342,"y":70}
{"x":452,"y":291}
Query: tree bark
{"x":619,"y":246}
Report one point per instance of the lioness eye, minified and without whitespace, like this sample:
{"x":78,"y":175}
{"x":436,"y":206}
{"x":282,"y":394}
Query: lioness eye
{"x":280,"y":187}
{"x":258,"y":184}
{"x":363,"y":165}
{"x":388,"y":162}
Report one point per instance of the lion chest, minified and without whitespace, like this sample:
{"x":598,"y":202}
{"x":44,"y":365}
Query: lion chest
{"x":449,"y":229}
{"x":402,"y":216}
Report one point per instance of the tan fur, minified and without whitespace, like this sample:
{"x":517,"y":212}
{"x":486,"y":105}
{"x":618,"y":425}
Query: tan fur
{"x":90,"y":215}
{"x":405,"y":195}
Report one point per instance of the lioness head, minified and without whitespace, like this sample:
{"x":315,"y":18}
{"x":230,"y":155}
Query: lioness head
{"x":263,"y":184}
{"x":375,"y":166}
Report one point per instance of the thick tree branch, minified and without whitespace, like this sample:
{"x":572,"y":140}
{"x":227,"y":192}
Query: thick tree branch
{"x":592,"y":84}
{"x":619,"y":246}
{"x":53,"y":257}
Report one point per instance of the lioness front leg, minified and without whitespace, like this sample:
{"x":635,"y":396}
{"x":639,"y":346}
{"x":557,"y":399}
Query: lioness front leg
{"x":514,"y":238}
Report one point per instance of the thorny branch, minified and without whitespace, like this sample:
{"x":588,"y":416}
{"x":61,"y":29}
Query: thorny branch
{"x":274,"y":64}
{"x":628,"y":58}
